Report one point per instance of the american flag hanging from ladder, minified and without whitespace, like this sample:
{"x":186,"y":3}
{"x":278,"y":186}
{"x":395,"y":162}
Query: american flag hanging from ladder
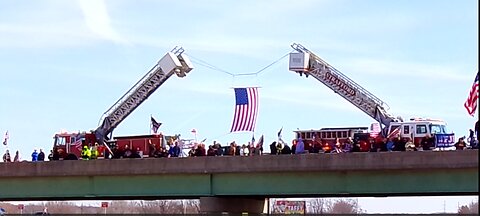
{"x":246,"y":109}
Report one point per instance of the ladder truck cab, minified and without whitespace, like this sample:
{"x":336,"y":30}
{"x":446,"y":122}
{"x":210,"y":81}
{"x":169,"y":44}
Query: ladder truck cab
{"x":305,"y":62}
{"x":69,"y":145}
{"x":419,"y":128}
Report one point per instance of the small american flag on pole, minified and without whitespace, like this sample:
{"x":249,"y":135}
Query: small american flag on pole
{"x":471,"y":102}
{"x":246,"y":109}
{"x":5,"y":138}
{"x":279,"y":134}
{"x":155,"y":125}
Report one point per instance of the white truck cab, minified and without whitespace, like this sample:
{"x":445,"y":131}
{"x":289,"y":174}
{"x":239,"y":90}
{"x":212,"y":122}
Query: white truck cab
{"x":418,"y":128}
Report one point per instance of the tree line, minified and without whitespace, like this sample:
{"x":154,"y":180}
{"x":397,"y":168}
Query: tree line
{"x":313,"y":206}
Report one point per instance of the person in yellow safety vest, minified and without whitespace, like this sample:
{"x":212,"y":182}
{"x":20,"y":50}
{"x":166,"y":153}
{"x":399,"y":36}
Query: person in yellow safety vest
{"x":86,"y":153}
{"x":94,"y":152}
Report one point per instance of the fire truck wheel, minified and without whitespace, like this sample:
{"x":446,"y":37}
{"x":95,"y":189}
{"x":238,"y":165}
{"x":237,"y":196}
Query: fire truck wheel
{"x":71,"y":157}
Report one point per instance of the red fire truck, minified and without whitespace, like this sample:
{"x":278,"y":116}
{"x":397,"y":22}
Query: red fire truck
{"x":316,"y":140}
{"x":140,"y":142}
{"x":305,"y":62}
{"x":69,"y":145}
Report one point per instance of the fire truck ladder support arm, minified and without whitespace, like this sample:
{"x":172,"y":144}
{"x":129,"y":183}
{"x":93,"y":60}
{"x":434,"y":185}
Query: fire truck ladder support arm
{"x":173,"y":62}
{"x":306,"y":62}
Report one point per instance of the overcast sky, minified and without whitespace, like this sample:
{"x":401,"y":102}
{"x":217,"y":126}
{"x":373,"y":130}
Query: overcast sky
{"x":64,"y":63}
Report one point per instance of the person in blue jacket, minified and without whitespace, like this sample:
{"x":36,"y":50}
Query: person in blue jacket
{"x":34,"y":155}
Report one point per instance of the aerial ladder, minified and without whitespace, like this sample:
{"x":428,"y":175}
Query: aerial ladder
{"x":307,"y":63}
{"x":174,"y":62}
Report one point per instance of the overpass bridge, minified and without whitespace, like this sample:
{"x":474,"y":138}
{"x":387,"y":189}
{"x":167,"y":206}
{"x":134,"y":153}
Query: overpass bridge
{"x":218,"y":181}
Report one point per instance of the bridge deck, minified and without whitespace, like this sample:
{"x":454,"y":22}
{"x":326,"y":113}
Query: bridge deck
{"x":321,"y":175}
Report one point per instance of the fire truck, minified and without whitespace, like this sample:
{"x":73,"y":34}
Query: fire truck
{"x":323,"y":139}
{"x":68,"y":145}
{"x":305,"y":62}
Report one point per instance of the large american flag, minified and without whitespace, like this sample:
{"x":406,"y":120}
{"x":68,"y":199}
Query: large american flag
{"x":471,"y":103}
{"x":246,"y":109}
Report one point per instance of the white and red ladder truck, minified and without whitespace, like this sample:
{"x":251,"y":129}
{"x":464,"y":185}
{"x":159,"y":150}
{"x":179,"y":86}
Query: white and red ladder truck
{"x":70,"y":144}
{"x":305,"y":62}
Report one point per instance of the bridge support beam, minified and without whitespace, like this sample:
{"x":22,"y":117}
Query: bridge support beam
{"x":218,"y":205}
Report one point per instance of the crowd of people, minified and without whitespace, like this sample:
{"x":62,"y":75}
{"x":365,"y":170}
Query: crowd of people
{"x":36,"y":156}
{"x":299,"y":146}
{"x":174,"y":148}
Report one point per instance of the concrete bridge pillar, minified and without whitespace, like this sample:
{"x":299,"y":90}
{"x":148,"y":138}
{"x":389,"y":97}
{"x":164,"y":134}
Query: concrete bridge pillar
{"x":218,"y":205}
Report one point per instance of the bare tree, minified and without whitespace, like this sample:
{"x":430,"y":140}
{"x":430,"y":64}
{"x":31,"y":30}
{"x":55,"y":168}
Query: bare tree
{"x":122,"y":207}
{"x":115,"y":207}
{"x":344,"y":206}
{"x":318,"y":206}
{"x":472,"y":208}
{"x":191,"y":206}
{"x":57,"y":207}
{"x":168,"y":207}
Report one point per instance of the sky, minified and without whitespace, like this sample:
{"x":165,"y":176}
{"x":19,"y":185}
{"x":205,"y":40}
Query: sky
{"x":64,"y":63}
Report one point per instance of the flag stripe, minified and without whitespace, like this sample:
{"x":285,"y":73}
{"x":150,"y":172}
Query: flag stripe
{"x":246,"y":109}
{"x":471,"y":102}
{"x":253,"y":109}
{"x":248,"y":120}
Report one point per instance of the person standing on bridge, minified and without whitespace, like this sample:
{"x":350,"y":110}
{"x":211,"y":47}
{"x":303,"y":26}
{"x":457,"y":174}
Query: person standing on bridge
{"x":338,"y":146}
{"x":410,"y":146}
{"x":300,"y":148}
{"x":477,"y":131}
{"x":6,"y":157}
{"x":472,"y":141}
{"x":17,"y":157}
{"x":34,"y":155}
{"x":94,"y":151}
{"x":174,"y":150}
{"x":233,"y":149}
{"x":86,"y":153}
{"x":460,"y":144}
{"x":50,"y":156}
{"x":41,"y":155}
{"x":273,"y":148}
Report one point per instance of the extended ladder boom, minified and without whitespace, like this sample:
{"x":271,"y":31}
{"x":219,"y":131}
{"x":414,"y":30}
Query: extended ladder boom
{"x":306,"y":62}
{"x":173,"y":62}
